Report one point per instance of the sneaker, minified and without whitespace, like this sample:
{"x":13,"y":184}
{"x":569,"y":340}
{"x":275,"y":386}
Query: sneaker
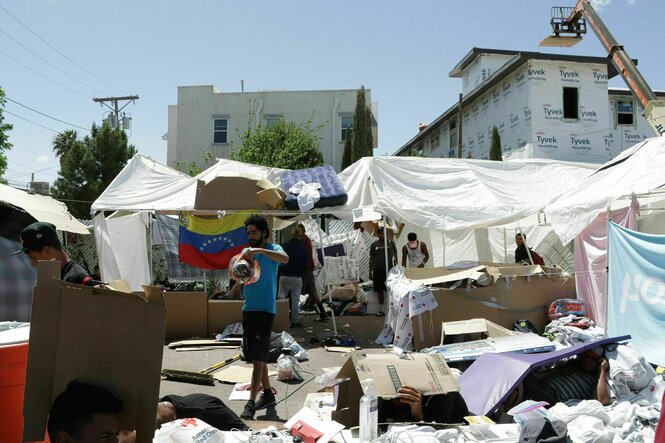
{"x":250,"y":409}
{"x":380,"y":314}
{"x":266,"y":399}
{"x":322,"y":319}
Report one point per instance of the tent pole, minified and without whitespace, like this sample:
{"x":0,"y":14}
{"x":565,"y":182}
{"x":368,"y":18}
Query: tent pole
{"x":607,"y":270}
{"x":385,"y":245}
{"x":505,"y":247}
{"x":323,"y":269}
{"x":150,"y":228}
{"x":443,"y":243}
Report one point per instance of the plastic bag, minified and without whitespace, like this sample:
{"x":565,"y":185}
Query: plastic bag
{"x":188,"y":430}
{"x":288,"y":368}
{"x":289,"y":342}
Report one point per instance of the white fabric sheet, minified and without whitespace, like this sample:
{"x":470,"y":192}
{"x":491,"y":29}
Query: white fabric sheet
{"x":128,"y":236}
{"x":456,"y":194}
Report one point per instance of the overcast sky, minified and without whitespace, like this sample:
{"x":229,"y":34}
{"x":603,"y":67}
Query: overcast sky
{"x":402,"y":51}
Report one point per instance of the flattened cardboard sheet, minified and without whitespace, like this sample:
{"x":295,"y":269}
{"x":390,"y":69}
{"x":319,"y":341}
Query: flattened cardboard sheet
{"x":108,"y":338}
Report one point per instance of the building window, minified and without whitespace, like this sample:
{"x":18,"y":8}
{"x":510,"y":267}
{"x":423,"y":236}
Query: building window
{"x":453,"y":134}
{"x":625,"y":112}
{"x":347,"y":127}
{"x":434,"y":140}
{"x":220,"y":131}
{"x":571,"y":103}
{"x":272,"y":120}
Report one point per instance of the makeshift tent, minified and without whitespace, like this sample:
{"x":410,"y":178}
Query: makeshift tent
{"x":42,"y":208}
{"x":638,"y":170}
{"x":452,"y":204}
{"x":451,"y":195}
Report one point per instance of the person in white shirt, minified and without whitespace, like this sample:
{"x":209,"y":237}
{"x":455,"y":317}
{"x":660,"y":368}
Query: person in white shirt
{"x":415,"y":251}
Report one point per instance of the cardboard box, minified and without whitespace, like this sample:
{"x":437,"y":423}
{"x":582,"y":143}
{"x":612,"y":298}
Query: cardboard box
{"x":511,"y":293}
{"x":186,"y":314}
{"x":479,"y":327}
{"x":228,"y":193}
{"x":482,"y":336}
{"x":429,"y":373}
{"x":103,"y":337}
{"x":222,"y":313}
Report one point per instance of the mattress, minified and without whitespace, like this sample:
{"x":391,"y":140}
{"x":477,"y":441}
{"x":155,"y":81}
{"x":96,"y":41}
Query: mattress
{"x":332,"y":192}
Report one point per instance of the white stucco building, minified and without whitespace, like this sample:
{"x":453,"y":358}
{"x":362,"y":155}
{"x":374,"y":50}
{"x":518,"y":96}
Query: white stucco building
{"x":207,"y":120}
{"x":544,"y":106}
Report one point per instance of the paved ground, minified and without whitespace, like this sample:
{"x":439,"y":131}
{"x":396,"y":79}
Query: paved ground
{"x":290,"y":397}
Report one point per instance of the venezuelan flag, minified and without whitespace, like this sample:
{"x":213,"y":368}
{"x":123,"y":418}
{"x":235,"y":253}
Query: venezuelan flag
{"x":210,"y":243}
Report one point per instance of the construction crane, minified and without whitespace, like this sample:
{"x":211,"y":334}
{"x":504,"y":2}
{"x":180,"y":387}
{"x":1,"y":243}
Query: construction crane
{"x":568,"y":26}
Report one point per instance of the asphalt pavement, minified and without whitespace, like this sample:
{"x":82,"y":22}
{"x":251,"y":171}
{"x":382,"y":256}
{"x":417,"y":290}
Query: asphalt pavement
{"x":290,"y":395}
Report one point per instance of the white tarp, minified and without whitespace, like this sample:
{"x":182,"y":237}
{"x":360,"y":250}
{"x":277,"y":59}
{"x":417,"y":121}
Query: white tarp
{"x":638,"y":170}
{"x":43,"y":208}
{"x":456,"y":195}
{"x":144,"y":184}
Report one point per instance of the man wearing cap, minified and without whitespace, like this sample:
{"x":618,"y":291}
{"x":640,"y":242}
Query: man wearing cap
{"x":415,"y":251}
{"x":377,"y":264}
{"x":41,"y":242}
{"x":259,"y":309}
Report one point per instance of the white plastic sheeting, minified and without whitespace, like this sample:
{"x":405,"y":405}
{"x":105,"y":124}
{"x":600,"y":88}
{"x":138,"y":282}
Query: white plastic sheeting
{"x":456,"y":195}
{"x":43,"y":208}
{"x":638,"y":170}
{"x":122,"y":246}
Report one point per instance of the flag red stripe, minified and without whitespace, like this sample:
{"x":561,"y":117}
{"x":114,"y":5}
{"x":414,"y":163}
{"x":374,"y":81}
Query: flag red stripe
{"x":192,"y":256}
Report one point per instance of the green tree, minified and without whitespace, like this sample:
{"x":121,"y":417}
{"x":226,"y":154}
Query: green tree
{"x":193,"y":168}
{"x":347,"y":154}
{"x":4,"y":137}
{"x":286,"y":145}
{"x":495,"y":146}
{"x":89,"y":166}
{"x":63,"y":142}
{"x":362,"y":128}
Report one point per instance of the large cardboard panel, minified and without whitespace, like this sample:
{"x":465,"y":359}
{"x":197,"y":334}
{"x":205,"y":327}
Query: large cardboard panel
{"x":474,"y":326}
{"x":103,"y":337}
{"x":429,"y":373}
{"x":186,"y":314}
{"x":512,"y":297}
{"x":222,"y":313}
{"x":228,"y":193}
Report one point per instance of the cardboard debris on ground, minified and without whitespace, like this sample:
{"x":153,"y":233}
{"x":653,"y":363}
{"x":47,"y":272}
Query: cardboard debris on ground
{"x":97,"y":336}
{"x":227,"y":342}
{"x":428,"y":373}
{"x":237,"y":374}
{"x":342,"y":349}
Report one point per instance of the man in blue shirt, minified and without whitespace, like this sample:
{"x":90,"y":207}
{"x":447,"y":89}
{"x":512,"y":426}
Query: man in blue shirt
{"x":259,"y":309}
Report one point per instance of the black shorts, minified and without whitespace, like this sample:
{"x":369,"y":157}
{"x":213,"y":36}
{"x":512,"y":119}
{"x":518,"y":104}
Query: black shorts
{"x":379,"y":279}
{"x":256,"y":329}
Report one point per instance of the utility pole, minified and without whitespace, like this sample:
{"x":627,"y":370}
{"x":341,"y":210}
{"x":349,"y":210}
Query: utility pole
{"x":115,"y":109}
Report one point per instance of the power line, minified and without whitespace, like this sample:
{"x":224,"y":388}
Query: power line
{"x":49,"y":63}
{"x":57,"y":50}
{"x":31,"y":172}
{"x":42,"y":75}
{"x":33,"y":122}
{"x":28,"y":167}
{"x":46,"y":115}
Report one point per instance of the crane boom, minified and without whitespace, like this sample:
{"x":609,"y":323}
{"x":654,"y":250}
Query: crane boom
{"x":653,"y":109}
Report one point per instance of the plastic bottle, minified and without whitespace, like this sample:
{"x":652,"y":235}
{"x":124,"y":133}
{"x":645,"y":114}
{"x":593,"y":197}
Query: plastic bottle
{"x":369,"y":413}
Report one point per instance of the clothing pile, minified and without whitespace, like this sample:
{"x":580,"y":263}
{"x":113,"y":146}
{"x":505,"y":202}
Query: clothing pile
{"x":572,"y":329}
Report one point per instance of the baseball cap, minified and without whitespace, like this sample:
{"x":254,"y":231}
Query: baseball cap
{"x":37,"y":235}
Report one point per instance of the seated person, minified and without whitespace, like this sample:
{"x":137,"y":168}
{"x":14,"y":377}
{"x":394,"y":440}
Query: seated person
{"x":521,"y":254}
{"x":85,"y":413}
{"x":210,"y":409}
{"x":411,"y":406}
{"x":581,"y":379}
